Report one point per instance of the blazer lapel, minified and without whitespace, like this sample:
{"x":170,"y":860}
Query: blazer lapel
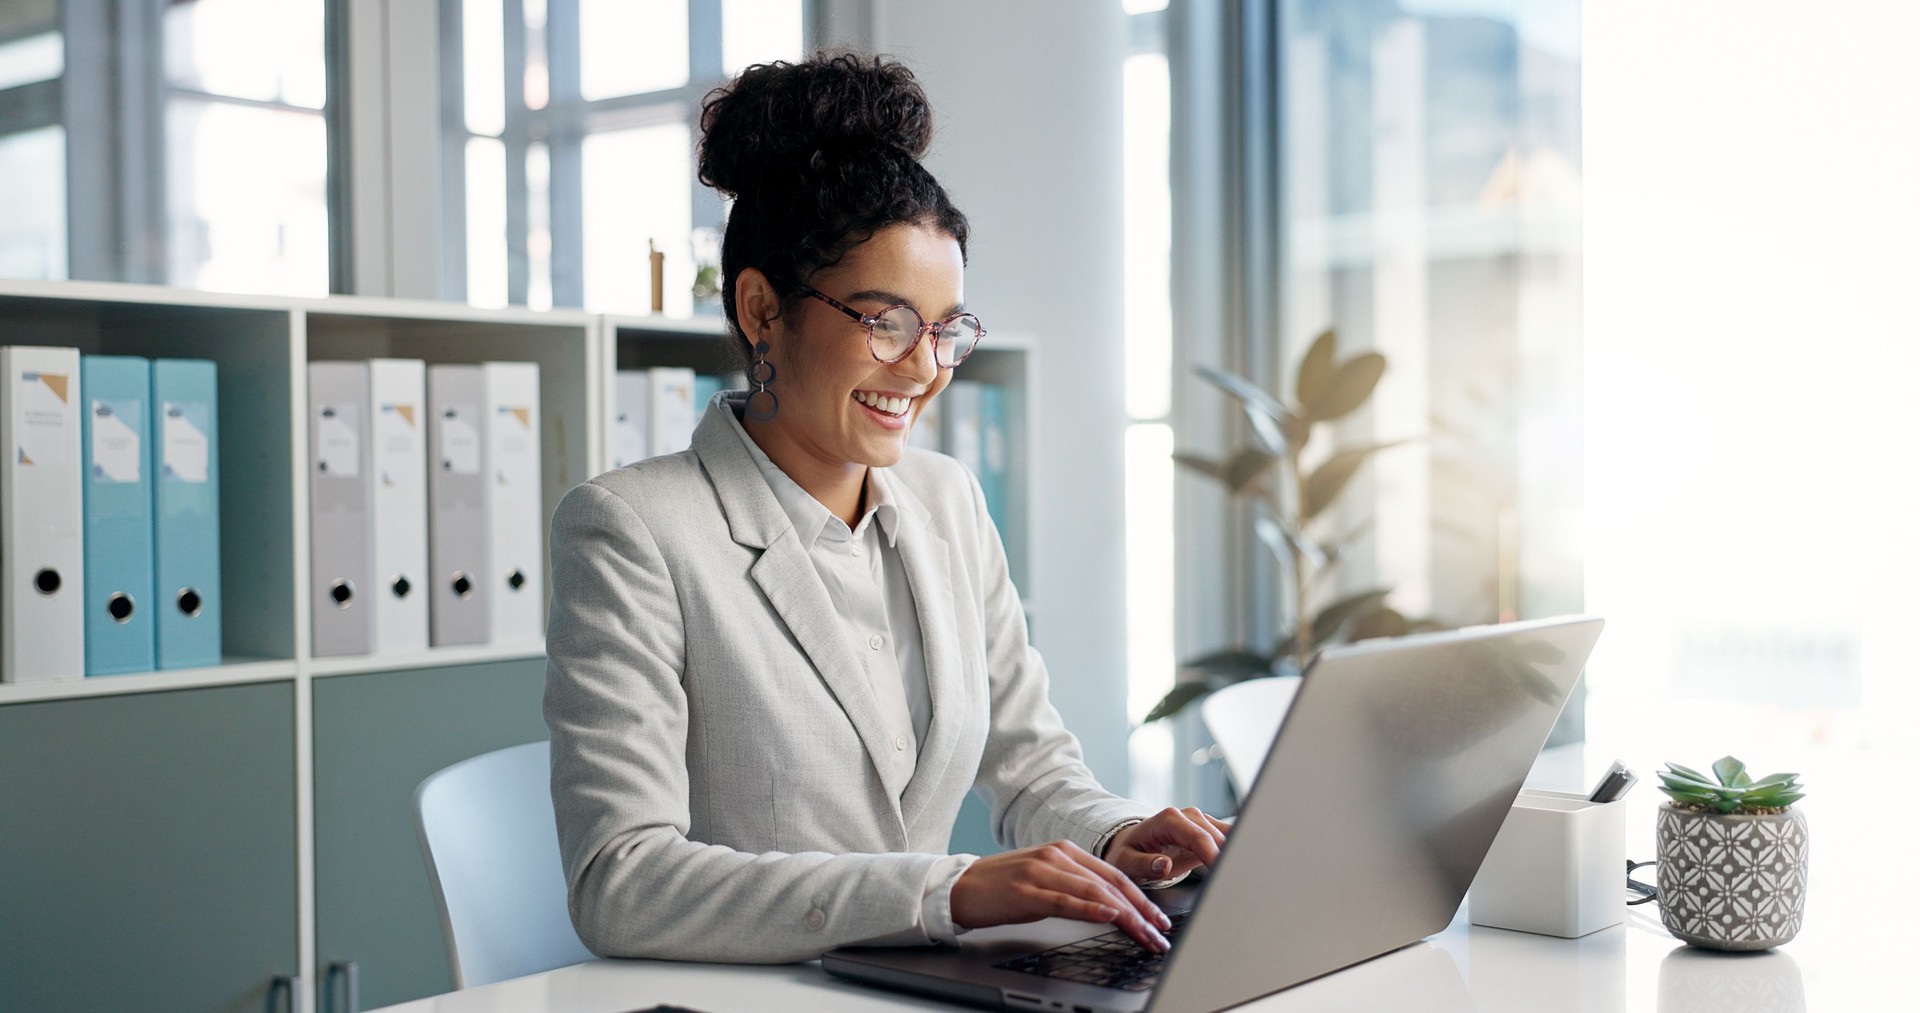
{"x":931,"y":570}
{"x":786,"y":576}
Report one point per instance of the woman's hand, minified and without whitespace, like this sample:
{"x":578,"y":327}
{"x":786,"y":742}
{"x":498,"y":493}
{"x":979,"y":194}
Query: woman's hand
{"x":1054,"y":880}
{"x":1168,"y":844}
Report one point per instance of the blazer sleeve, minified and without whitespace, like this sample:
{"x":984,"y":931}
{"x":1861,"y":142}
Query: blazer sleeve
{"x":617,"y":713}
{"x":1032,"y":775}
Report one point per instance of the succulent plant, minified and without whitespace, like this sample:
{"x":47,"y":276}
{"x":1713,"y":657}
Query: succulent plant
{"x":1733,"y":792}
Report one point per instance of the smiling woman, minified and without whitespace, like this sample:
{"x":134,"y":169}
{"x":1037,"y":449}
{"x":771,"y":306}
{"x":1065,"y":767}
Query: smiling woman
{"x":779,"y":661}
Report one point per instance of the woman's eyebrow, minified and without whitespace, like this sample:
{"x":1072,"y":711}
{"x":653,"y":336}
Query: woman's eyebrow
{"x":896,"y":299}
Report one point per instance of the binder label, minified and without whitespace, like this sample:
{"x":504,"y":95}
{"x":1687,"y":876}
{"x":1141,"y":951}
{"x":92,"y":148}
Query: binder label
{"x":513,"y":445}
{"x":399,"y":437}
{"x":629,"y":440}
{"x":459,"y":441}
{"x":43,"y":419}
{"x":116,"y":445}
{"x":339,"y":441}
{"x":183,"y":449}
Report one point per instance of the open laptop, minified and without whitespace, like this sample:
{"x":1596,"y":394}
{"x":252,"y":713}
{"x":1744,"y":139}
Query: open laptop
{"x":1382,"y":792}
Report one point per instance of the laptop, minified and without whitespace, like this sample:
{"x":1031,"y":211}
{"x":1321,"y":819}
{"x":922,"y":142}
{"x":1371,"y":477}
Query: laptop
{"x":1383,"y":789}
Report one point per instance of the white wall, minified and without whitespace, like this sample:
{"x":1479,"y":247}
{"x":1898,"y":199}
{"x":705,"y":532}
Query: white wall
{"x":1027,"y":112}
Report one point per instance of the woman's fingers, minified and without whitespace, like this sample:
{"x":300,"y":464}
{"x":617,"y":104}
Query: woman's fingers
{"x":1122,"y":883}
{"x":1077,"y":882}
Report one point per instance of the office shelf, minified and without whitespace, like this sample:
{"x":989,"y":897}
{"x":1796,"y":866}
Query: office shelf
{"x":234,"y":671}
{"x":433,"y":657}
{"x":329,"y":758}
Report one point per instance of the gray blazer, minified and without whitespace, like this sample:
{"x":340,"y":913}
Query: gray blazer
{"x":721,"y":771}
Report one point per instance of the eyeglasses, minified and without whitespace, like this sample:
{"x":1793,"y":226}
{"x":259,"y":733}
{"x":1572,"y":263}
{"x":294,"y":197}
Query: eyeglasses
{"x":893,"y":333}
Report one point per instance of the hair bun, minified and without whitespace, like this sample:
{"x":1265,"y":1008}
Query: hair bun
{"x":786,"y":120}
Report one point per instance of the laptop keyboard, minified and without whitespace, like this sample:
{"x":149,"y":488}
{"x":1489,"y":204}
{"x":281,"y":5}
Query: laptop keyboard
{"x":1113,"y":960}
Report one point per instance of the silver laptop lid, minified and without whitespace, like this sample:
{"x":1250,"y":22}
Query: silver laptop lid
{"x":1396,"y":765}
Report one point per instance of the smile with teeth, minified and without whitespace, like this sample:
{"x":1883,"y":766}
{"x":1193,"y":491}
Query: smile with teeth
{"x":895,"y":406}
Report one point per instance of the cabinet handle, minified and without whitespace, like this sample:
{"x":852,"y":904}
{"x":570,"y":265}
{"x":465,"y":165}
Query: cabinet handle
{"x":290,"y":984}
{"x":347,"y":972}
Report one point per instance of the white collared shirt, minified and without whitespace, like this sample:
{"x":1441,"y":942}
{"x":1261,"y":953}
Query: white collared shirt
{"x":867,"y":584}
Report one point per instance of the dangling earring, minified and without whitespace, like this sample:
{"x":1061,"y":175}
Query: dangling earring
{"x":762,"y":405}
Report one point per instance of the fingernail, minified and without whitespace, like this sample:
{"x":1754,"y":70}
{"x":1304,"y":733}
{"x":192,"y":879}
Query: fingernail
{"x":1162,"y":866}
{"x":1165,"y":922}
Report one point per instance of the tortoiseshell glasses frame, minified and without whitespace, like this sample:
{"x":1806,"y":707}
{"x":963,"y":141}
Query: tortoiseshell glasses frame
{"x":941,"y":350}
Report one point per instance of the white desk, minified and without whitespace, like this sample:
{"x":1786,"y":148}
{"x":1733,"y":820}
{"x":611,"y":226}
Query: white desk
{"x":1852,"y":952}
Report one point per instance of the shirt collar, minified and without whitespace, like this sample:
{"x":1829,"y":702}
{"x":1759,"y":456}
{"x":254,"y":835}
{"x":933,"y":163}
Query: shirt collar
{"x":811,"y":519}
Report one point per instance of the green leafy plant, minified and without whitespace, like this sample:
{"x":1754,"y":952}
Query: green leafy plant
{"x":1288,"y":498}
{"x":1734,"y":791}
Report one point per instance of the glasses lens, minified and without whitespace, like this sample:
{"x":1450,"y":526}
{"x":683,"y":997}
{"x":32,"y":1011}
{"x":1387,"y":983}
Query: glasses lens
{"x":957,"y":339}
{"x":894,"y":331}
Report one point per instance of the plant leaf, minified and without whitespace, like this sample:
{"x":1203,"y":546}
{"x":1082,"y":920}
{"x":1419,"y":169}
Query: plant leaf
{"x":1728,"y":769}
{"x":1384,"y":622}
{"x":1233,"y":661}
{"x":1775,"y":779}
{"x":1182,"y":694}
{"x":1316,"y":368}
{"x":1701,"y":797}
{"x":1246,"y":468}
{"x":1681,"y":783}
{"x":1349,"y":387}
{"x":1203,"y":465}
{"x":1688,"y":772}
{"x":1328,"y":623}
{"x":1264,"y":412}
{"x":1333,"y":475}
{"x":1282,"y":542}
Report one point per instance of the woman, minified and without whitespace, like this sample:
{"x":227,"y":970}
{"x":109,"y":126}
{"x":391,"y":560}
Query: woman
{"x":779,"y":660}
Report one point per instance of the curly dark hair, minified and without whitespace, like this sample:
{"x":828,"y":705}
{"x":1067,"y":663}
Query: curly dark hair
{"x":818,"y":156}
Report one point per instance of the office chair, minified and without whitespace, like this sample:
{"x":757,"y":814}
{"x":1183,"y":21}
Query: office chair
{"x":486,"y":829}
{"x":1242,"y":719}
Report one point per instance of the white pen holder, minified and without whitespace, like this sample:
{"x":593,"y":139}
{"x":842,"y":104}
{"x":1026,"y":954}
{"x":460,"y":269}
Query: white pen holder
{"x":1558,"y":867}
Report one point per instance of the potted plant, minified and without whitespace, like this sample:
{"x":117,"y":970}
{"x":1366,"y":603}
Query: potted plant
{"x":1287,"y":498}
{"x":1733,"y":857}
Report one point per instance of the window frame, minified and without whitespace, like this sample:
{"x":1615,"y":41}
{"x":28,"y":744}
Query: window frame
{"x":564,"y":125}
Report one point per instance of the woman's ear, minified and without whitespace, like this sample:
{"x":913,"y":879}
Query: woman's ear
{"x":755,"y":304}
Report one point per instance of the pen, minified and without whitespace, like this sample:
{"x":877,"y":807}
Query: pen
{"x":1613,"y":784}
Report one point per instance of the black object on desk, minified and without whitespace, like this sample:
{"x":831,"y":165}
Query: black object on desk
{"x":1613,"y":784}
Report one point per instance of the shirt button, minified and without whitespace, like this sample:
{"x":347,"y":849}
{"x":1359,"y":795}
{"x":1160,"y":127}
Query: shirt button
{"x":856,"y":550}
{"x":875,"y":641}
{"x":816,"y":920}
{"x":899,"y":742}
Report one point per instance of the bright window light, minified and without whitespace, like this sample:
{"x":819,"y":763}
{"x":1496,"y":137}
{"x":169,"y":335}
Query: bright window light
{"x":1752,"y":485}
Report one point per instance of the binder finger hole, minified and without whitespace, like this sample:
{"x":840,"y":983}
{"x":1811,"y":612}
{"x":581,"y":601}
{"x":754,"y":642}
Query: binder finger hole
{"x":120,"y":607}
{"x":47,"y":581}
{"x":402,"y":587}
{"x":189,"y":601}
{"x":516,"y":580}
{"x":462,"y":585}
{"x":341,"y":593}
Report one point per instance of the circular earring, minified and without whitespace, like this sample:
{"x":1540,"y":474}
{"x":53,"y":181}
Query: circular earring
{"x":762,"y":405}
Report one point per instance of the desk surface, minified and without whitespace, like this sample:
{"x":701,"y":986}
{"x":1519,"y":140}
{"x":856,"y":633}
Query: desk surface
{"x":1849,"y":955}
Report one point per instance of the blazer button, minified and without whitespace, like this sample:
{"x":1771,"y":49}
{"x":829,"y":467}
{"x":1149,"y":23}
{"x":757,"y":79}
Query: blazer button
{"x":816,"y":920}
{"x":899,"y":742}
{"x":875,"y":641}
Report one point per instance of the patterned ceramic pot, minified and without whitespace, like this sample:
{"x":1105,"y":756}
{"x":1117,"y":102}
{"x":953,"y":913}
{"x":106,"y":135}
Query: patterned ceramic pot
{"x":1732,"y":882}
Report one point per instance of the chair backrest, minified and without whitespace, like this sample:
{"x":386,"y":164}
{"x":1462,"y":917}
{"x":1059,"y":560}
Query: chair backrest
{"x":486,"y":829}
{"x":1243,"y":718}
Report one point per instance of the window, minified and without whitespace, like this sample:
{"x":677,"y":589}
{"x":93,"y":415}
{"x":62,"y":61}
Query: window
{"x":1750,"y":469}
{"x":571,"y":105}
{"x":162,"y":143}
{"x":1148,"y":343}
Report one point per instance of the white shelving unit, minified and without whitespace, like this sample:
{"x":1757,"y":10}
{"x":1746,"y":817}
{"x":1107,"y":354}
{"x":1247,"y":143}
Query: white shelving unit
{"x":262,"y":345}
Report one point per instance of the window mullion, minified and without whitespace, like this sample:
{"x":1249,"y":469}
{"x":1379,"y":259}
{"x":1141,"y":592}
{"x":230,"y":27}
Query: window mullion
{"x":566,"y":129}
{"x":516,"y":136}
{"x":705,"y":59}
